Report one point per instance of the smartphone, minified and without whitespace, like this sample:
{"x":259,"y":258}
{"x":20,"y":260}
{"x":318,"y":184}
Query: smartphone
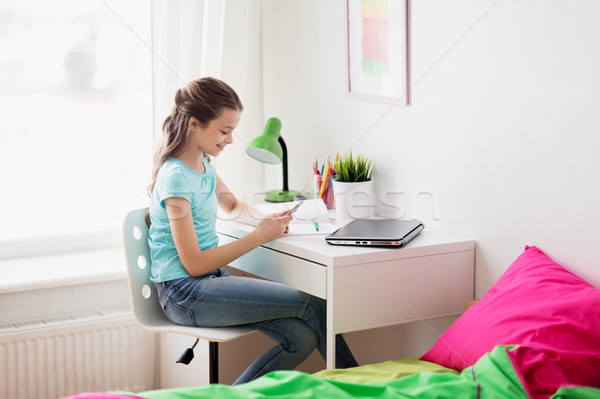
{"x":294,"y":208}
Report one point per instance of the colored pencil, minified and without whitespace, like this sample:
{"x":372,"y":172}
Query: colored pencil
{"x":325,"y":180}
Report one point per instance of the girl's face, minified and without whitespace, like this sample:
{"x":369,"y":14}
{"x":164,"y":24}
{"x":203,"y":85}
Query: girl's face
{"x":213,"y":138}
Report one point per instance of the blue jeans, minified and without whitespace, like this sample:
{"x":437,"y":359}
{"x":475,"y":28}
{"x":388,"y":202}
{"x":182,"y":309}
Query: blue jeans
{"x":297,"y":321}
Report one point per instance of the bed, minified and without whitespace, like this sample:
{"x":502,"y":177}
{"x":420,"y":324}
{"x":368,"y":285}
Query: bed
{"x":534,"y":334}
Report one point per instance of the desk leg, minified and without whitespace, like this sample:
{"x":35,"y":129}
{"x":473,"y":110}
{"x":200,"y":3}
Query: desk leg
{"x":330,"y":361}
{"x":330,"y":364}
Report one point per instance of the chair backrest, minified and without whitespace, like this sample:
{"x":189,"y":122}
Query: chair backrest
{"x":144,"y":297}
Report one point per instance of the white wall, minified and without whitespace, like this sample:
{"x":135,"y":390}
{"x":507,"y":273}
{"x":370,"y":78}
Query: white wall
{"x":502,"y":127}
{"x":501,"y":130}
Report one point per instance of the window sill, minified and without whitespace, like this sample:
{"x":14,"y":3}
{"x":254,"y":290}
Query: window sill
{"x":42,"y":272}
{"x":53,"y":287}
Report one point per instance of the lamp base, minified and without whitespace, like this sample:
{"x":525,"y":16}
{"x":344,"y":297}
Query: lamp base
{"x":281,"y":196}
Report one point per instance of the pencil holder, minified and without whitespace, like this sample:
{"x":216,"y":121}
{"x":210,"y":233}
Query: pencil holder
{"x":327,"y":194}
{"x":316,"y":185}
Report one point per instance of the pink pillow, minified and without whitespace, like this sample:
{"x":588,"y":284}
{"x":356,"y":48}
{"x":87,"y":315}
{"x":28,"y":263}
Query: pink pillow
{"x":535,"y":303}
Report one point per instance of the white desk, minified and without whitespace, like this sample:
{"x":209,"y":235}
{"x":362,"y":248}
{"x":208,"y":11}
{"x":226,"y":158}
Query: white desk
{"x":367,"y":287}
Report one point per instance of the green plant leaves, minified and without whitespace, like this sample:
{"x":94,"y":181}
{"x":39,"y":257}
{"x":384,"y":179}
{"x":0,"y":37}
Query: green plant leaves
{"x":350,"y":169}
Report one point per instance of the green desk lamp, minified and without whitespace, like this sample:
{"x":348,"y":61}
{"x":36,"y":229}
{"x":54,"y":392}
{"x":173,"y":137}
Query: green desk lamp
{"x":270,"y":148}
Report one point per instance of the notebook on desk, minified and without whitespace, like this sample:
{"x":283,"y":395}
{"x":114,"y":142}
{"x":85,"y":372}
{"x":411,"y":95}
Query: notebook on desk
{"x":376,"y":232}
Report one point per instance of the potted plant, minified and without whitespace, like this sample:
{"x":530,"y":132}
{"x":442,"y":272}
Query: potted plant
{"x":353,"y":170}
{"x":353,"y":186}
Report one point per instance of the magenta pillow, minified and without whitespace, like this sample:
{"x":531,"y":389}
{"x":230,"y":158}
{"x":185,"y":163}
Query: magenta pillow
{"x":535,"y":303}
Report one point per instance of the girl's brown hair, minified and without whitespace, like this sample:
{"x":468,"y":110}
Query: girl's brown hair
{"x":203,"y":99}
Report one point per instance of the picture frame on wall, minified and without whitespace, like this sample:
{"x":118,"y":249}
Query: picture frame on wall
{"x":377,"y":50}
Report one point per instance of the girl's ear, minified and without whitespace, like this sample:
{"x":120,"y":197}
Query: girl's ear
{"x":193,"y":124}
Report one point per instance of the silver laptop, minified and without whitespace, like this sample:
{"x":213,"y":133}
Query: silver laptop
{"x":376,"y":232}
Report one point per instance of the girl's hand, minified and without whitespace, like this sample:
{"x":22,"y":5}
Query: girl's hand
{"x":276,"y":215}
{"x":273,"y":226}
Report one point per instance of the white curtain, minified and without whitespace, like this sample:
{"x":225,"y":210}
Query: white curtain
{"x":218,"y":38}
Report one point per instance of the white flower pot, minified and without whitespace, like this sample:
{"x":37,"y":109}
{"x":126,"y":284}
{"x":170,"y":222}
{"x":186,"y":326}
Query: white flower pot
{"x":353,"y":200}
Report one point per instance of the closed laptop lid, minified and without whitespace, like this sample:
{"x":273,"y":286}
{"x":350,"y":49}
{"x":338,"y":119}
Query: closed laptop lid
{"x":387,"y":232}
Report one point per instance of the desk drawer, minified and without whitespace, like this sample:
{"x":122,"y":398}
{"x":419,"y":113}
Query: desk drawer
{"x":299,"y":273}
{"x":401,"y":291}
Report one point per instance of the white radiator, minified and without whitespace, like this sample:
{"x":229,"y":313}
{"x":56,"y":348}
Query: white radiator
{"x":99,"y":352}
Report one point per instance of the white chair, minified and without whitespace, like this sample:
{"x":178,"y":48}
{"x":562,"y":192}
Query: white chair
{"x":144,"y":297}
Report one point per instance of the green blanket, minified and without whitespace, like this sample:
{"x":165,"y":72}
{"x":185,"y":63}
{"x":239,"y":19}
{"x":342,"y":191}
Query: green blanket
{"x":494,"y":376}
{"x":293,"y":384}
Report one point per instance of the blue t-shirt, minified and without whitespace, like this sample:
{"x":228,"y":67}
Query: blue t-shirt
{"x":177,"y":180}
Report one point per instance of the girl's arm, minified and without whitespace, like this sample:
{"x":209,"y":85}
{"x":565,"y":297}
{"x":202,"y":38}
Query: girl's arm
{"x":236,"y":209}
{"x":198,"y":262}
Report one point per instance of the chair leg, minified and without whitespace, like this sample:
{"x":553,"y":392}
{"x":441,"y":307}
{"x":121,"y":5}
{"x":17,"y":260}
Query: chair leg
{"x":213,"y":355}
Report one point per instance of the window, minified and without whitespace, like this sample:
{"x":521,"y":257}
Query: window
{"x":76,"y":115}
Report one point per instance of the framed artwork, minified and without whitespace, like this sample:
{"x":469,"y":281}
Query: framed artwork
{"x":377,"y":50}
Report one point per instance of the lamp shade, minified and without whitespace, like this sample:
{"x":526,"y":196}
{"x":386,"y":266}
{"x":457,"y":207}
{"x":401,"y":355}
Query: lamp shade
{"x":266,"y":148}
{"x":270,"y":148}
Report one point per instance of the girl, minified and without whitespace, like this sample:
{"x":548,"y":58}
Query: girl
{"x":187,"y":264}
